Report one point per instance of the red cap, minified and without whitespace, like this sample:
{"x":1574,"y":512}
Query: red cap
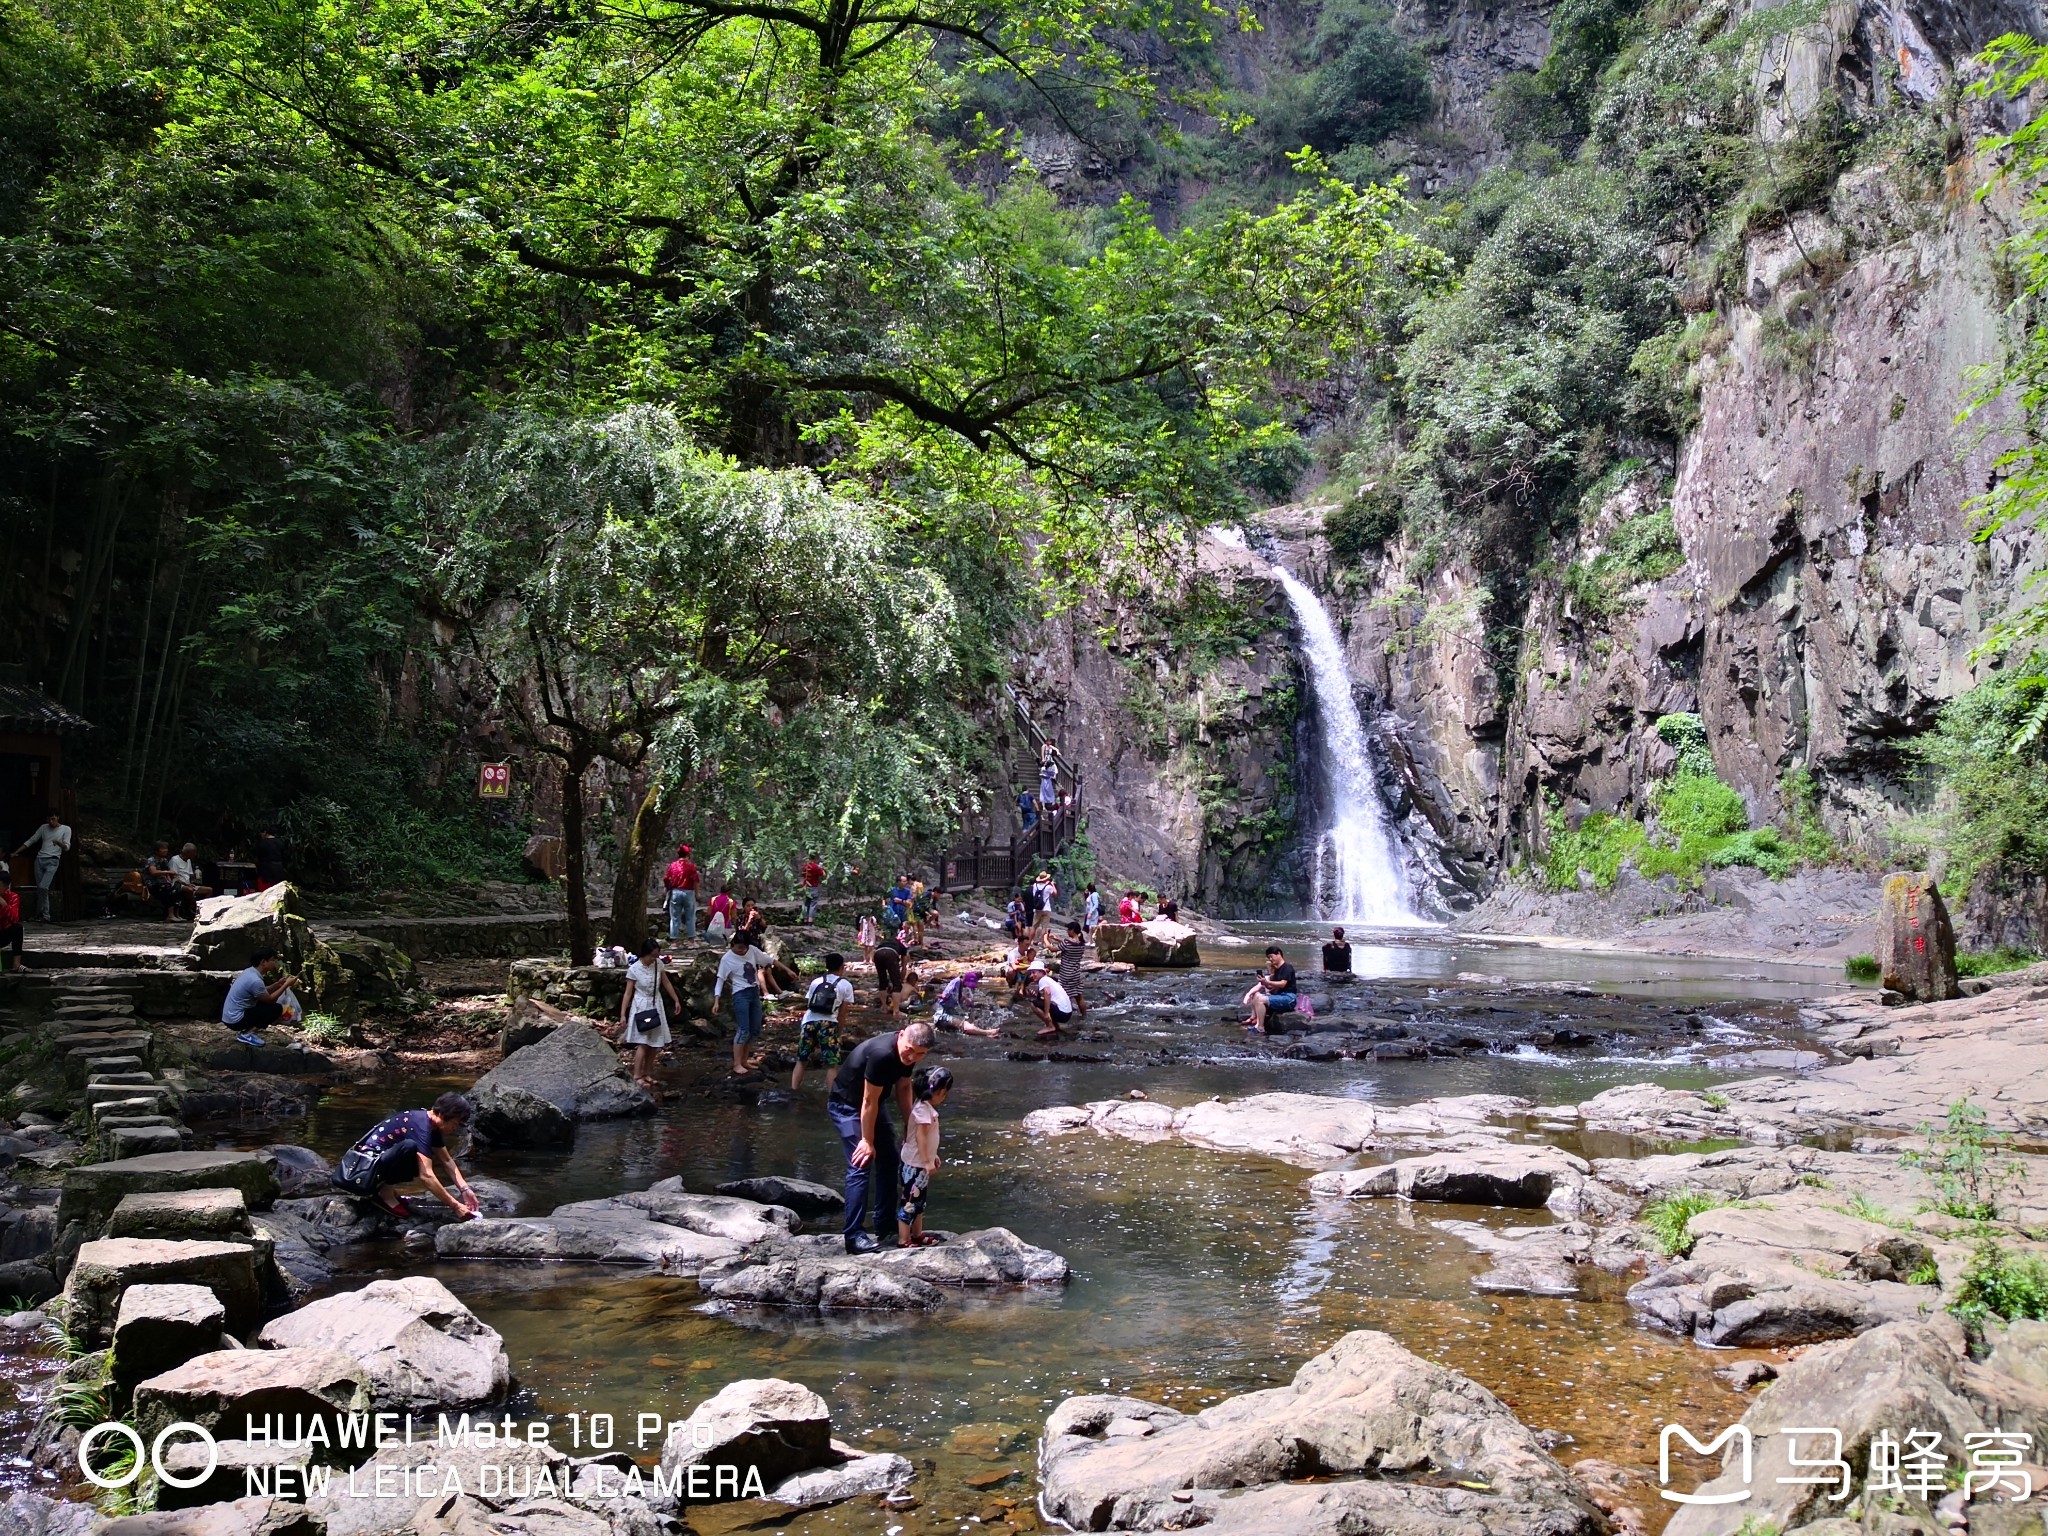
{"x":682,"y":847}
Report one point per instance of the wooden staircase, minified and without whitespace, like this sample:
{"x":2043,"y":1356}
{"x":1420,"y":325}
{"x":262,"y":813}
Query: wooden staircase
{"x":974,"y":860}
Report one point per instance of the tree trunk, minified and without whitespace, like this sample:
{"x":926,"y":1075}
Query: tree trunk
{"x":644,"y":841}
{"x":582,"y":938}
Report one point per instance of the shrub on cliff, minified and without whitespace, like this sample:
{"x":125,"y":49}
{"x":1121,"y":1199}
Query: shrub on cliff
{"x":1989,"y":764}
{"x":1698,"y":805}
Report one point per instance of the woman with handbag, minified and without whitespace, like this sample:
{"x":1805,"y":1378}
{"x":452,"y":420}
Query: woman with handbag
{"x":642,"y":1013}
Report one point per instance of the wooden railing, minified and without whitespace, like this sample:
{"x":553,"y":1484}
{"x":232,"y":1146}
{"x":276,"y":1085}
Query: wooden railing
{"x":972,"y":861}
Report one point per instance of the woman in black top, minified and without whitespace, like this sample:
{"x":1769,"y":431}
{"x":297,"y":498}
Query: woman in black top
{"x":1337,"y":953}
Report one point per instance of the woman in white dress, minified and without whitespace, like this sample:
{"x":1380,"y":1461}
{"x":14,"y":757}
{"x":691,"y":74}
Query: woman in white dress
{"x":644,"y":1011}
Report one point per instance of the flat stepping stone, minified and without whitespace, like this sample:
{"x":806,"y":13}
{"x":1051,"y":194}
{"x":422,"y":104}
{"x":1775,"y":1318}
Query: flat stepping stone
{"x":157,"y":1328}
{"x":104,"y":1042}
{"x":139,"y":1105}
{"x":91,"y":1193}
{"x":82,"y":1061}
{"x":179,"y":1214}
{"x":108,"y":1267}
{"x":101,"y":1093}
{"x":138,"y":1140}
{"x":111,"y":1121}
{"x":103,"y":1079}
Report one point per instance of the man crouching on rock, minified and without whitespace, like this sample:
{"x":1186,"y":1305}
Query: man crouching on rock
{"x":407,"y":1148}
{"x":855,"y":1103}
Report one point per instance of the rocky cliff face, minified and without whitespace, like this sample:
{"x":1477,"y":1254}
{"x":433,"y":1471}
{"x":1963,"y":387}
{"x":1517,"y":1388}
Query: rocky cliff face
{"x":1827,"y":594}
{"x":1182,"y":707}
{"x":1822,"y":595}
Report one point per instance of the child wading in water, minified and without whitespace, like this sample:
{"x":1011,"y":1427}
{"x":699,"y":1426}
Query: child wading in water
{"x":918,"y":1157}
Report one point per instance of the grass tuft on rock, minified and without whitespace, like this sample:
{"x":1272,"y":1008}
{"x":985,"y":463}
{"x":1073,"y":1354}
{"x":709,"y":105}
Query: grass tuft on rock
{"x":1669,"y":1218}
{"x":1992,"y":962}
{"x":1863,"y":967}
{"x":2001,"y":1283}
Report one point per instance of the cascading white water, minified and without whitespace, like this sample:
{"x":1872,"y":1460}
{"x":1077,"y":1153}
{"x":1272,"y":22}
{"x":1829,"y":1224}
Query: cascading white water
{"x":1358,"y":875}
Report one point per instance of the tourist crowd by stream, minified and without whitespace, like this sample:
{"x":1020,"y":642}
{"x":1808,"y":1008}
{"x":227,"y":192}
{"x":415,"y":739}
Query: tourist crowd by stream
{"x":888,"y":1179}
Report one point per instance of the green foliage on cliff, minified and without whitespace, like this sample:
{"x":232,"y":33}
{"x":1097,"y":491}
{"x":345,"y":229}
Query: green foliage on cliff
{"x":1700,"y":823}
{"x":1597,"y":848}
{"x":1988,"y":759}
{"x":2018,"y":384}
{"x":1643,"y":549}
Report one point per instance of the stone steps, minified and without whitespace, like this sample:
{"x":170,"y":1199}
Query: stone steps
{"x":109,"y":1056}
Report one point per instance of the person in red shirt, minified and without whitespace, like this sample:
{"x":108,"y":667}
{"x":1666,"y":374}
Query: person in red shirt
{"x":1128,"y":910}
{"x":10,"y":920}
{"x":681,"y":881}
{"x":724,"y":914}
{"x":814,"y":876}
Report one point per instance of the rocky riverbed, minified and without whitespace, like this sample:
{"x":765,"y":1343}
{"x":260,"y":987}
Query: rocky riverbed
{"x":1495,"y":1234}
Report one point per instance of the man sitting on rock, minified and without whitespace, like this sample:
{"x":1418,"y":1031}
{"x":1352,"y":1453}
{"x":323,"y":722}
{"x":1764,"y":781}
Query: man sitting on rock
{"x":876,"y":1066}
{"x":408,"y":1148}
{"x":259,"y":997}
{"x":1275,"y":992}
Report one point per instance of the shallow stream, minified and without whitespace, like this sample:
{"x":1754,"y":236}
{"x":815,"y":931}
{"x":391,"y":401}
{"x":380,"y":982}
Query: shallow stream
{"x":1196,"y":1275}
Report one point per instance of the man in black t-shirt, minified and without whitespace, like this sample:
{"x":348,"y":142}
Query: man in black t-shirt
{"x":1337,"y":954}
{"x":873,"y":1068}
{"x":1276,"y":992}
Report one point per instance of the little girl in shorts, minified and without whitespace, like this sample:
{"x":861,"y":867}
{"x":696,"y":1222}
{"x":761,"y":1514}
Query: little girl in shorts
{"x":918,"y":1157}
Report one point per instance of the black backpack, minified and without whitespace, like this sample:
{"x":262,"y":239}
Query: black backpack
{"x":823,"y":996}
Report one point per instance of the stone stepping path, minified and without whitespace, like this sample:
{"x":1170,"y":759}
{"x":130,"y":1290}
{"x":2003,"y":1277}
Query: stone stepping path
{"x":109,"y":1055}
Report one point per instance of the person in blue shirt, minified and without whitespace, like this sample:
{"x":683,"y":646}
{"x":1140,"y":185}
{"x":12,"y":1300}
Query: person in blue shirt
{"x":899,"y":903}
{"x":1027,"y":808}
{"x":258,"y":997}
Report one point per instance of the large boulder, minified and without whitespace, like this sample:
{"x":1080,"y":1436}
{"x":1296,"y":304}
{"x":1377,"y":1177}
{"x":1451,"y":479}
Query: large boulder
{"x":819,"y":1283}
{"x":350,"y":972}
{"x":506,"y":1488}
{"x":536,"y":1096}
{"x":91,"y":1192}
{"x":232,"y":1390}
{"x":159,"y":1327}
{"x":769,"y":1429}
{"x":1510,"y":1175}
{"x":1916,"y":943}
{"x":1160,"y":943}
{"x":107,"y":1268}
{"x":1392,"y":1427}
{"x":591,"y":1232}
{"x":300,"y":1170}
{"x":420,"y":1347}
{"x":231,"y":929}
{"x":1728,"y":1302}
{"x":810,"y":1201}
{"x":33,"y":1514}
{"x":237,"y":1517}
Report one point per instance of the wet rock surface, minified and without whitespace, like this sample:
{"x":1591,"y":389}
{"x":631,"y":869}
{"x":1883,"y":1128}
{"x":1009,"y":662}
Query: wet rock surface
{"x":536,"y":1096}
{"x":1366,"y":1411}
{"x":419,"y":1346}
{"x":773,"y":1437}
{"x":816,"y":1273}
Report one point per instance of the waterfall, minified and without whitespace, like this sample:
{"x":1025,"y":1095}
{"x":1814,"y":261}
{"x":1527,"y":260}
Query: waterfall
{"x":1359,"y":876}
